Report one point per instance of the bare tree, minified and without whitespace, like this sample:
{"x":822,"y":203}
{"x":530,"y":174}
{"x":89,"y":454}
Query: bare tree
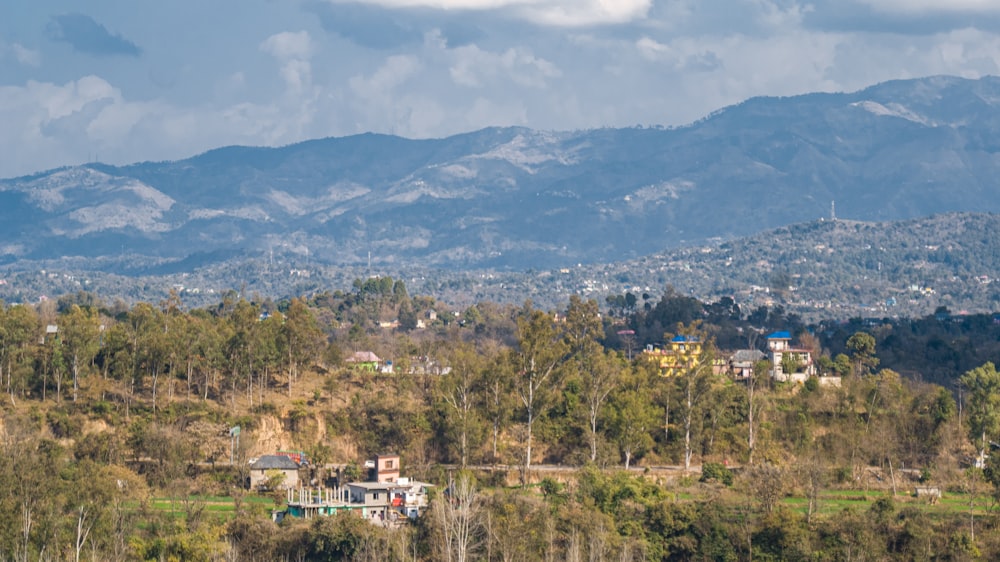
{"x":83,"y":526}
{"x":459,"y":517}
{"x":766,"y":483}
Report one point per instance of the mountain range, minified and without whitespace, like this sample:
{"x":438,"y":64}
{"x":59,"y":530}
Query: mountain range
{"x":516,"y":198}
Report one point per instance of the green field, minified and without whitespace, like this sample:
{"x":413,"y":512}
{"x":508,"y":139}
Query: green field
{"x":218,"y":506}
{"x":832,"y":502}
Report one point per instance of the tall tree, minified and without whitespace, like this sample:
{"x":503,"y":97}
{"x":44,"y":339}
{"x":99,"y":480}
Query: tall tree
{"x":460,"y":390}
{"x":632,"y":419}
{"x":982,"y":386}
{"x":498,"y":386}
{"x":692,"y":385}
{"x":862,"y":347}
{"x":22,"y":329}
{"x":598,"y":372}
{"x":301,"y":338}
{"x":459,"y":518}
{"x":540,"y":351}
{"x":755,"y":402}
{"x":600,"y":377}
{"x":79,"y":332}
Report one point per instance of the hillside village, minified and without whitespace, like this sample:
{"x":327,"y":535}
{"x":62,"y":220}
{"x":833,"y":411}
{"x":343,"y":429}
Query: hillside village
{"x":700,"y":412}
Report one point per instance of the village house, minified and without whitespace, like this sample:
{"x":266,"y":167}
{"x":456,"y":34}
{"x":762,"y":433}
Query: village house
{"x":385,"y":498}
{"x":364,"y":360}
{"x":682,"y":354}
{"x":787,"y":362}
{"x":274,"y":468}
{"x":741,"y":362}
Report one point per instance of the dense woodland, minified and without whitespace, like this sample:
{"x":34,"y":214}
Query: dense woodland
{"x":109,"y":407}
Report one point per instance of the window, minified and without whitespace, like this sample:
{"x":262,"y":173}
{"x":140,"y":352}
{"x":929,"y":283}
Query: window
{"x":375,"y":496}
{"x":388,"y":463}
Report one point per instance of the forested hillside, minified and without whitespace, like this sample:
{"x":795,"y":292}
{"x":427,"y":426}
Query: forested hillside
{"x":546,"y":433}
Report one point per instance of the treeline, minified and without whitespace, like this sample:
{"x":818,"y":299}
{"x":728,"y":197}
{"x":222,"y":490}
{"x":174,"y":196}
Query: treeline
{"x":106,"y":407}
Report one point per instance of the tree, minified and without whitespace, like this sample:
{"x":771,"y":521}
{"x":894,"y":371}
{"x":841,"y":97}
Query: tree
{"x":632,"y":418}
{"x":598,"y":371}
{"x":862,"y":347}
{"x":301,"y":338}
{"x":692,"y":386}
{"x":459,"y":518}
{"x":498,"y":382}
{"x":600,"y":377}
{"x":983,"y":404}
{"x":459,"y":391}
{"x":540,"y":351}
{"x":21,"y":330}
{"x":754,"y":405}
{"x":79,"y":332}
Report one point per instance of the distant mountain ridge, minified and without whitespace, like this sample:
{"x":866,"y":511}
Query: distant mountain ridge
{"x":515,"y":198}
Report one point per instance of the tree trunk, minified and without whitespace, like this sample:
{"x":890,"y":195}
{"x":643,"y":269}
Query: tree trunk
{"x":593,"y":437}
{"x":688,"y":419}
{"x":82,"y":530}
{"x":76,"y":376}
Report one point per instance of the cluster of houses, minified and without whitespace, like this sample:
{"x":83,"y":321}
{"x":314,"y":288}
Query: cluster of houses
{"x":420,"y":365}
{"x":385,"y":498}
{"x":786,"y":362}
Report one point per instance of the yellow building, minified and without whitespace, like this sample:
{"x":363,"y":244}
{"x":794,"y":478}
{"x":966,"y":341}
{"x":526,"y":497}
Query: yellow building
{"x":682,"y":355}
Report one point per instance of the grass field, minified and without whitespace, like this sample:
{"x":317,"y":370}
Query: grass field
{"x":833,"y":502}
{"x":222,"y":507}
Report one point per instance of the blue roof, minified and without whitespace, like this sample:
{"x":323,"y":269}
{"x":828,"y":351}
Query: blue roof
{"x":780,"y":336}
{"x":684,"y":339}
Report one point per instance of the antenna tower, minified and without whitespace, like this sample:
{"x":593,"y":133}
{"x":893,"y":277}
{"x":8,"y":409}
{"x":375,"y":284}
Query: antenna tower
{"x":833,"y":210}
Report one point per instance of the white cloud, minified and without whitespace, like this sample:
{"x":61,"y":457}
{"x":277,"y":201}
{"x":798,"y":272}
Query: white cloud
{"x":396,"y":70}
{"x":288,"y":45}
{"x":26,"y":56}
{"x":23,"y":55}
{"x":934,"y":6}
{"x":474,"y":67}
{"x":583,"y":13}
{"x":563,"y":13}
{"x":293,"y":50}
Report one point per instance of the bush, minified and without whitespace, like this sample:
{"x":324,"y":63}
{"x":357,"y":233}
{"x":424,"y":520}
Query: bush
{"x":843,"y":475}
{"x":925,"y":475}
{"x":716,"y":471}
{"x":811,"y":384}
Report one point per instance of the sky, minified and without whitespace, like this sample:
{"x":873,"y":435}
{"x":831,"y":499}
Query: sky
{"x":122,"y":81}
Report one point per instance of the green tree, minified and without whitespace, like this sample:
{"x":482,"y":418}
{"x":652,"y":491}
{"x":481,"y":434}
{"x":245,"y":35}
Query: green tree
{"x":301,"y":338}
{"x":598,"y":371}
{"x":460,"y":391}
{"x":498,"y":386}
{"x":862,"y":347}
{"x":540,"y":351}
{"x":691,"y":387}
{"x":632,"y":419}
{"x":21,"y":331}
{"x":983,"y":404}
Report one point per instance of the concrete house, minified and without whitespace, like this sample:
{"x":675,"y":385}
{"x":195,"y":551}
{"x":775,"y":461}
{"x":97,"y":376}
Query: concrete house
{"x":682,"y":355}
{"x":782,"y":353}
{"x":268,"y":466}
{"x":386,"y":498}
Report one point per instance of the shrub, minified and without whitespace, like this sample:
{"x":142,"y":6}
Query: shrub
{"x":716,"y":471}
{"x":812,"y":384}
